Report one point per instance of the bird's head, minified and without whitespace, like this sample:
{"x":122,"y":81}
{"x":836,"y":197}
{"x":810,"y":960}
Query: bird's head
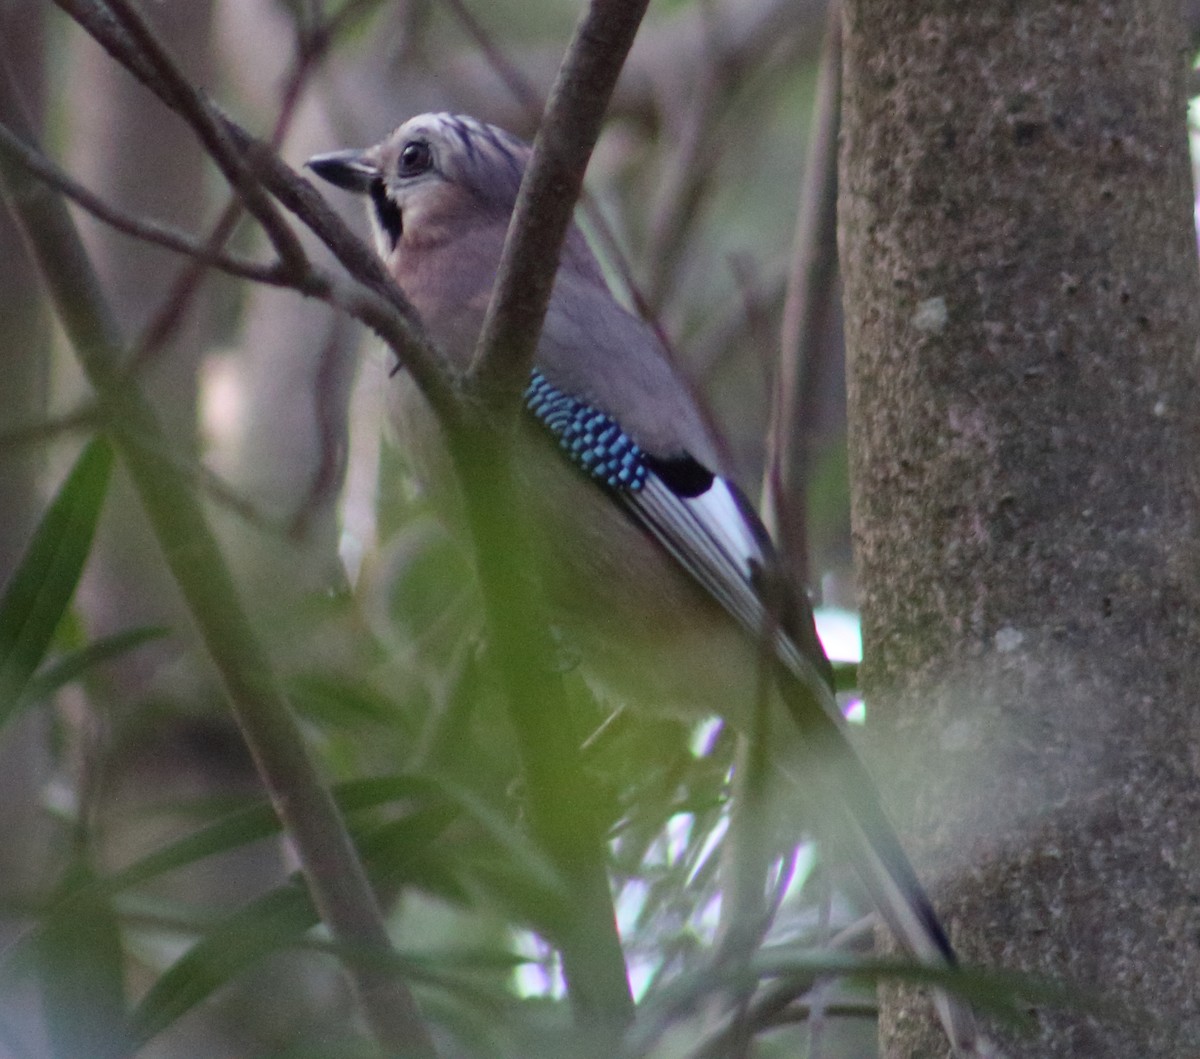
{"x":435,"y":176}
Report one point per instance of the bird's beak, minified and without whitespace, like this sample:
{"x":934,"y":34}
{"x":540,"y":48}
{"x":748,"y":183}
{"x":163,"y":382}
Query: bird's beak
{"x":349,"y":170}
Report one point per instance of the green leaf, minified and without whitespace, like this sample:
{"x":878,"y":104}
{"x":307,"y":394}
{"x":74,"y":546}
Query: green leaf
{"x":281,"y":918}
{"x":39,"y":591}
{"x":258,"y":821}
{"x":276,"y":919}
{"x":80,"y":964}
{"x":74,"y":664}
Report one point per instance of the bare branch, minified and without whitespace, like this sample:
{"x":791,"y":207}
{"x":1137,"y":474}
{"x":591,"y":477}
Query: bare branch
{"x":170,"y":84}
{"x":372,"y":311}
{"x":312,"y":47}
{"x":663,"y":54}
{"x":811,"y":284}
{"x":330,"y":414}
{"x":688,"y":178}
{"x":548,"y":194}
{"x":389,"y":312}
{"x":149,"y":231}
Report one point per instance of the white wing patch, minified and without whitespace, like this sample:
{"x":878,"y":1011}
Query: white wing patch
{"x":710,"y":535}
{"x":722,"y":515}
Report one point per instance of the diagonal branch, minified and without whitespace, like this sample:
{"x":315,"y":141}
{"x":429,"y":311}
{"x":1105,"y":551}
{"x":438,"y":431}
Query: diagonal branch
{"x":186,"y":100}
{"x":548,"y":194}
{"x":382,"y":307}
{"x":135,"y":227}
{"x":312,"y":46}
{"x":562,"y":809}
{"x":334,"y":873}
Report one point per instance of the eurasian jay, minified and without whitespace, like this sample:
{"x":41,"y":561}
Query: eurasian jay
{"x":656,"y":565}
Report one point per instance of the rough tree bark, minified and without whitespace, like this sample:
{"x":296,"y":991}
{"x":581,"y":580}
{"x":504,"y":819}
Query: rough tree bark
{"x":1022,"y":320}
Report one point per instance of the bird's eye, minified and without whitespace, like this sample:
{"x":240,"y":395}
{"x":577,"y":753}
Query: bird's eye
{"x":415,"y":158}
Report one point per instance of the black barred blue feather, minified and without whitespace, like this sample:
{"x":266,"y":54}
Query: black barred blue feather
{"x":593,"y":440}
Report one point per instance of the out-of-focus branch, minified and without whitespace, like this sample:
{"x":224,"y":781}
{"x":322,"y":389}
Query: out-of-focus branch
{"x":561,"y":806}
{"x":713,"y":344}
{"x":812,"y":280}
{"x":689,"y":175}
{"x":663,"y":54}
{"x":82,"y":419}
{"x":335,"y":875}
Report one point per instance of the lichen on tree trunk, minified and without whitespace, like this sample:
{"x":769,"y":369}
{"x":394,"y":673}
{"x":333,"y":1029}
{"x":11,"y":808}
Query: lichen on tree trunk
{"x":1022,"y":316}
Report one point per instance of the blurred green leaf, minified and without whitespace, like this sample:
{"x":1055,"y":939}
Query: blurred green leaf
{"x":74,"y":664}
{"x":396,"y":853}
{"x":397,"y":850}
{"x":40,"y":589}
{"x":333,"y":700}
{"x":431,"y":806}
{"x":277,"y":919}
{"x":80,"y":959}
{"x":259,"y":821}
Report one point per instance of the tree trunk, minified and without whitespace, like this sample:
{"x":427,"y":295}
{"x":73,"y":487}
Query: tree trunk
{"x":1022,"y":318}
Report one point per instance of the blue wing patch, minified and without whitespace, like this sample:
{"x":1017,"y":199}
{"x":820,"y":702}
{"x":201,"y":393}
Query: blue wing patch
{"x":593,"y":440}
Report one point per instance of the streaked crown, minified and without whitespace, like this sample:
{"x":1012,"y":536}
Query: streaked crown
{"x":430,"y":176}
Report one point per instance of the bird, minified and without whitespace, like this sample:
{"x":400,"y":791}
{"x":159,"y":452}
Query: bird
{"x":654,"y":561}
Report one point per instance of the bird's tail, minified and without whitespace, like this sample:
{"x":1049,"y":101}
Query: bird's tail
{"x":859,"y":827}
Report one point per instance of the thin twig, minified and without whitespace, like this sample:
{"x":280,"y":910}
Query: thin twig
{"x":381,"y":306}
{"x":126,"y":223}
{"x":811,"y":284}
{"x":312,"y":46}
{"x":376,"y":313}
{"x":685,"y":184}
{"x":330,"y":414}
{"x":187,"y":101}
{"x":712,"y":345}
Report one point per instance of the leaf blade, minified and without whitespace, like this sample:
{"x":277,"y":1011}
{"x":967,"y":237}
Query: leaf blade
{"x":44,"y":582}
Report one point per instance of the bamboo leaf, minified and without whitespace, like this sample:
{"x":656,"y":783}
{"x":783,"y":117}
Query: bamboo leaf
{"x":40,"y":589}
{"x":74,"y":664}
{"x":80,"y":964}
{"x":274,"y":920}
